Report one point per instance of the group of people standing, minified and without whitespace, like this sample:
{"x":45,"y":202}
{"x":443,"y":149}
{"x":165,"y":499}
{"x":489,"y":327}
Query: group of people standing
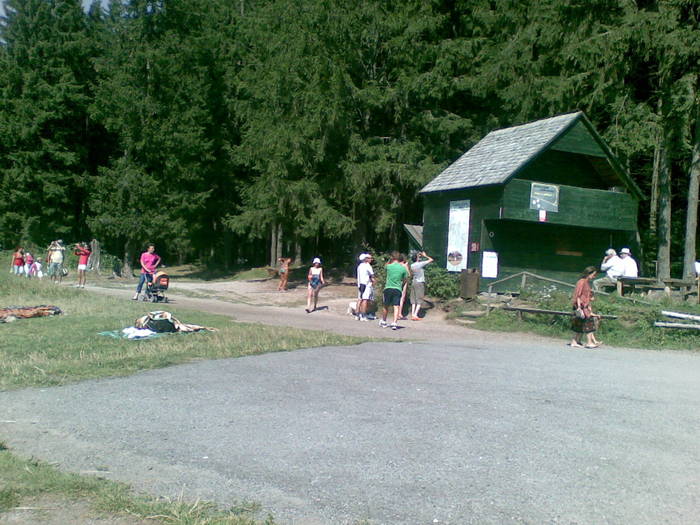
{"x":398,"y":278}
{"x":25,"y":264}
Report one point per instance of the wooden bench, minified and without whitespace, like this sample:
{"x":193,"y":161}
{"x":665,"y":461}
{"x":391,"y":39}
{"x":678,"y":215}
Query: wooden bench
{"x":652,"y":283}
{"x":521,"y":310}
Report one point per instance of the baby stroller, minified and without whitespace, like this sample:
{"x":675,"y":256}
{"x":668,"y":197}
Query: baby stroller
{"x":155,"y":290}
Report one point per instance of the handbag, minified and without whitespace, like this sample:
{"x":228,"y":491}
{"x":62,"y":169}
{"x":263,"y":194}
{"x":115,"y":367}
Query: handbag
{"x":579,"y":313}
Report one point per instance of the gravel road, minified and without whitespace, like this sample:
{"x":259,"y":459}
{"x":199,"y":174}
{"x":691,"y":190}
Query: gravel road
{"x":483,"y":431}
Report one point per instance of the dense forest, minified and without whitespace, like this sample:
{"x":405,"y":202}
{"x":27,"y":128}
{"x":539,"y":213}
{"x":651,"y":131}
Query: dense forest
{"x":232,"y":131}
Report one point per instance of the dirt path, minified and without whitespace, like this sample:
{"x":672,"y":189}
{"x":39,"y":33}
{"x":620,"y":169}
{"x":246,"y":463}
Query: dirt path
{"x":259,"y":302}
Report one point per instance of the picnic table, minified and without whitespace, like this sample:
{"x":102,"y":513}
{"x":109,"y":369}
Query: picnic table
{"x":654,"y":283}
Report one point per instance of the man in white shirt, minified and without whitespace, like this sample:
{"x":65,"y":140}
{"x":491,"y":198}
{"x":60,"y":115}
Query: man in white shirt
{"x":365,"y":285}
{"x":612,"y":265}
{"x":418,"y":284}
{"x":629,"y":265}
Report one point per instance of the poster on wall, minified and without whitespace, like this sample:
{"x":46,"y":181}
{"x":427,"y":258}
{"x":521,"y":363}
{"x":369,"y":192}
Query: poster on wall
{"x":489,"y":265}
{"x":458,"y":236}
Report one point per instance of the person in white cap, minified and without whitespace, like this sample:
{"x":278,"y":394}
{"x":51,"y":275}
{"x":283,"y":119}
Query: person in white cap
{"x":612,"y":265}
{"x":365,"y":285}
{"x":315,"y":278}
{"x":629,"y":265}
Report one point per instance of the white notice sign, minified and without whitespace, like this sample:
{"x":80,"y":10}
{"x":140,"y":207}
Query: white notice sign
{"x":458,"y":236}
{"x":489,"y":265}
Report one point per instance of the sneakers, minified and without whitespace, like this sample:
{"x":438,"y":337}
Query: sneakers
{"x":363,"y":318}
{"x":371,"y":317}
{"x":394,"y":326}
{"x":135,"y":297}
{"x":382,"y":324}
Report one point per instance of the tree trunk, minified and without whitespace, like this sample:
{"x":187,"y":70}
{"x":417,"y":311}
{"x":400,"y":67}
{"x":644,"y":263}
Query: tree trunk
{"x":227,"y":249}
{"x":654,"y":209}
{"x":273,"y":245}
{"x":691,"y":221}
{"x":95,"y":260}
{"x":663,"y":254}
{"x":280,"y":243}
{"x":297,"y":252}
{"x":127,"y":270}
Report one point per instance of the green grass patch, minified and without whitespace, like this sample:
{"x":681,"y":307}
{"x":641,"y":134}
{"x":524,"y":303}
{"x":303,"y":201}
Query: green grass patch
{"x":23,"y":479}
{"x":634,"y":327}
{"x":67,"y":348}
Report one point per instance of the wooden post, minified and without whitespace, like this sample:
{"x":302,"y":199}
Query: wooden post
{"x":488,"y":303}
{"x":619,"y":287}
{"x":523,"y":281}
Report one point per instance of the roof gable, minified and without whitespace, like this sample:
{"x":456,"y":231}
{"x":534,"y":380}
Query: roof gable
{"x":504,"y":152}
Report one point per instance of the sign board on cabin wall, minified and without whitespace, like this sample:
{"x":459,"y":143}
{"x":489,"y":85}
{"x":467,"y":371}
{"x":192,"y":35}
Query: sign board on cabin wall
{"x":489,"y":265}
{"x":458,"y":236}
{"x":544,"y":197}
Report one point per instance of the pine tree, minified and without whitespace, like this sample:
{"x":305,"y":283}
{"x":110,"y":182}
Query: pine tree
{"x":44,"y":124}
{"x":155,"y":95}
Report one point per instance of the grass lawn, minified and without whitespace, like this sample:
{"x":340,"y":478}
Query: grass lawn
{"x":34,"y":492}
{"x":67,"y":348}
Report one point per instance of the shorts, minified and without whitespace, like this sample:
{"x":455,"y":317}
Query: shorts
{"x":392,"y":297}
{"x":365,"y":292}
{"x":417,"y":293}
{"x":55,"y":269}
{"x":17,"y":269}
{"x":82,"y":267}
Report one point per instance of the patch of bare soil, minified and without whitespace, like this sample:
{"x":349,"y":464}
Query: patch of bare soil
{"x":53,"y":510}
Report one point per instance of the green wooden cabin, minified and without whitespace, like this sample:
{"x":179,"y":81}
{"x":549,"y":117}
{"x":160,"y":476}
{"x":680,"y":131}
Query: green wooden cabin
{"x":548,"y":197}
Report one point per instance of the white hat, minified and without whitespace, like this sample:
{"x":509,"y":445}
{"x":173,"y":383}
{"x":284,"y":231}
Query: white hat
{"x":610,"y":251}
{"x":626,"y":250}
{"x":363,"y":256}
{"x":316,"y":261}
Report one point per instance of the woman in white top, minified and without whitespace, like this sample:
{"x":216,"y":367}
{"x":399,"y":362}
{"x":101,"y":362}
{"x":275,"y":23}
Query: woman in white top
{"x":315,"y":278}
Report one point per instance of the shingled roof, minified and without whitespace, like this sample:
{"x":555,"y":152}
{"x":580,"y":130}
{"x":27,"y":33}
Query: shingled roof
{"x":503,"y":152}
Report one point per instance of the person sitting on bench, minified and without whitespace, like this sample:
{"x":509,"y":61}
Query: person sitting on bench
{"x":612,"y":265}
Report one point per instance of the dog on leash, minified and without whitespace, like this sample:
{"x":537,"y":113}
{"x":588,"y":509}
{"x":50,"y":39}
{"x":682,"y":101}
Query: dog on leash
{"x":352,"y":310}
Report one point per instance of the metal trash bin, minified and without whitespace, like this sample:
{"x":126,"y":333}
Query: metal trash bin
{"x":469,"y":283}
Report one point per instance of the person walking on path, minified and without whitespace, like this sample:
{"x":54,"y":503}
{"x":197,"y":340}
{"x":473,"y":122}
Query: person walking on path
{"x":284,"y":273}
{"x":316,"y":280}
{"x":54,"y":256}
{"x":396,"y":275}
{"x":149,"y":262}
{"x":418,"y":284}
{"x":584,"y":320}
{"x":365,"y":286}
{"x":17,"y":261}
{"x":83,"y":253}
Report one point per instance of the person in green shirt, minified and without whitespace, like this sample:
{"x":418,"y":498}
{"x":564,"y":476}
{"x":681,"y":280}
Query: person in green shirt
{"x":396,"y":275}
